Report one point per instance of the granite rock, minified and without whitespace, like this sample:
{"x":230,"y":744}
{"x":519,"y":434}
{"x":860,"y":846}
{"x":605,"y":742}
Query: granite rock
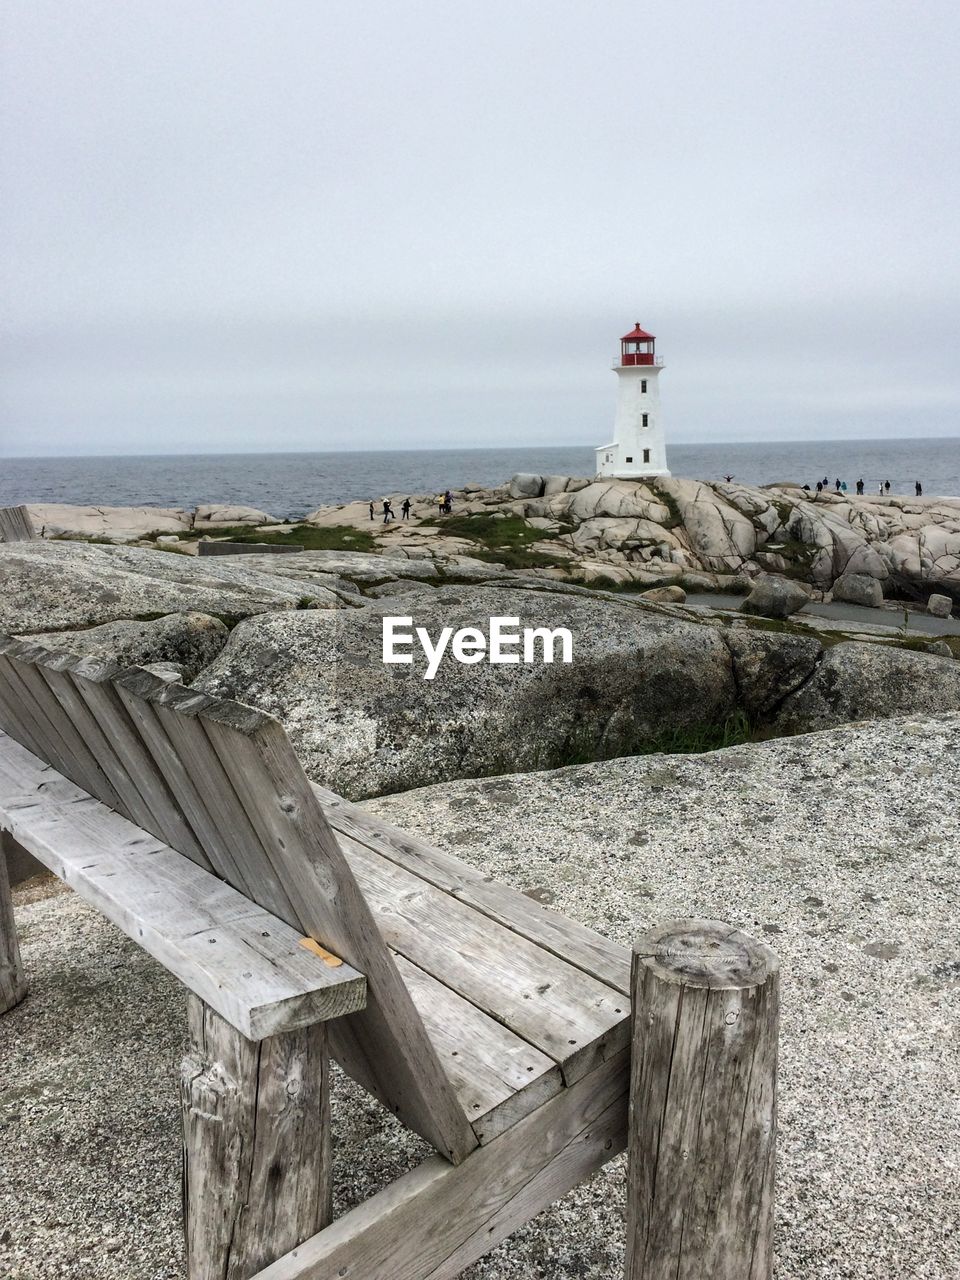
{"x":186,"y":641}
{"x":861,"y":681}
{"x":858,"y":588}
{"x":775,"y":597}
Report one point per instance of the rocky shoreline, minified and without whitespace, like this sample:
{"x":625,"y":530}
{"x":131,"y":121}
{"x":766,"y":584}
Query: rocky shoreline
{"x":694,"y":535}
{"x":300,"y":637}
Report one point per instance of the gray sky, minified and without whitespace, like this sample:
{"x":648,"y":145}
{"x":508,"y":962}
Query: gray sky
{"x":317,"y":224}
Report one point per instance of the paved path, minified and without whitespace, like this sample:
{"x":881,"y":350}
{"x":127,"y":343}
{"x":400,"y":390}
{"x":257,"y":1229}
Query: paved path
{"x":919,"y":621}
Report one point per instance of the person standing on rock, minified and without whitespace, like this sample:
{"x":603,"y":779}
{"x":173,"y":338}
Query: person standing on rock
{"x":860,"y":488}
{"x":447,"y":502}
{"x":887,"y":486}
{"x":371,"y":508}
{"x":387,"y":511}
{"x":405,"y":508}
{"x":819,"y":487}
{"x":838,"y":484}
{"x":919,"y":488}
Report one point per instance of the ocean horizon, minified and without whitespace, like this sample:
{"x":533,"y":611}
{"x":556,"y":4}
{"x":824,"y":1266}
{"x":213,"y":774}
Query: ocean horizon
{"x":291,"y":484}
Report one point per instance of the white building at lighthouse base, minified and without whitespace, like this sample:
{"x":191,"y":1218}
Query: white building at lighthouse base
{"x":638,"y":450}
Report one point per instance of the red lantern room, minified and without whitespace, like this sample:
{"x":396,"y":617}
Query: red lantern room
{"x":637,"y":347}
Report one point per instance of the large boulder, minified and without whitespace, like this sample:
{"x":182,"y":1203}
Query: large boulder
{"x":124,"y":524}
{"x":774,"y":597}
{"x":767,"y":667}
{"x":861,"y":681}
{"x":719,"y":535}
{"x":858,"y":588}
{"x":212,"y":516}
{"x":939,"y":606}
{"x":526,"y":486}
{"x":189,"y":641}
{"x":618,"y":499}
{"x":664,"y":595}
{"x":48,"y":586}
{"x":364,"y":727}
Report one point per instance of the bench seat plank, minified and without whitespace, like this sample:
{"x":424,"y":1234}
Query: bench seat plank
{"x":243,"y":961}
{"x":568,"y":939}
{"x":499,"y":1078}
{"x":571,"y":1017}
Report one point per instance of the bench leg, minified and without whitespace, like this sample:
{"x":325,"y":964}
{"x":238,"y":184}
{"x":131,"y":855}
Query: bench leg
{"x":13,"y":981}
{"x":256,"y":1143}
{"x":702,"y":1127}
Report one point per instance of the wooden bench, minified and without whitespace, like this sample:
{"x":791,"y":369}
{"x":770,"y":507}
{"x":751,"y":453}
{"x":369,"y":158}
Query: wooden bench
{"x":301,"y":927}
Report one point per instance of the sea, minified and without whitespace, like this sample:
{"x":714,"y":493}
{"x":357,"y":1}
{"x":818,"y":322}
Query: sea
{"x":291,"y":484}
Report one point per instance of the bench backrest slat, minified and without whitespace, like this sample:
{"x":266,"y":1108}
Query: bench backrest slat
{"x":181,"y":748}
{"x":220,"y":783}
{"x":63,"y":746}
{"x":16,"y":525}
{"x":68,"y":694}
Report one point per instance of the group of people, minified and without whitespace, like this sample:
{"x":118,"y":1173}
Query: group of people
{"x":444,"y":505}
{"x":388,"y":511}
{"x":840,"y":486}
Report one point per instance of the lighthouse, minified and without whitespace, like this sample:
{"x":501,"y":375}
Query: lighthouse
{"x":638,"y":449}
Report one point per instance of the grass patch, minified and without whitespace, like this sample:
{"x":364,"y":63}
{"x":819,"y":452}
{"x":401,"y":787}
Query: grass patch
{"x":83,"y":537}
{"x":670,"y":502}
{"x":783,"y":509}
{"x":334,"y":537}
{"x":508,"y":541}
{"x":732,"y":732}
{"x":735,"y":730}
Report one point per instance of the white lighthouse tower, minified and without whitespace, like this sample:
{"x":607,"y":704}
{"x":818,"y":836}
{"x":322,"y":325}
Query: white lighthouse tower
{"x":638,"y":449}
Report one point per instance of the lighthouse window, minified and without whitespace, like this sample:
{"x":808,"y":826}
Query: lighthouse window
{"x":646,"y":455}
{"x":645,"y":417}
{"x":643,"y":385}
{"x":630,"y":459}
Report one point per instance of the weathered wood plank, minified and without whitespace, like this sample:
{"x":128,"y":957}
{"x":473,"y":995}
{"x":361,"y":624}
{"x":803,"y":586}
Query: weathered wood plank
{"x":571,"y":1017}
{"x":702,"y":1131}
{"x":16,"y":525}
{"x":236,"y":850}
{"x":388,"y":1042}
{"x":256,"y":1141}
{"x":227,"y":843}
{"x":244,"y":962}
{"x":14,"y":719}
{"x":13,"y":979}
{"x":567,"y":939}
{"x":93,"y":679}
{"x":438,"y":1219}
{"x":499,"y":1078}
{"x":58,"y":741}
{"x":51,"y":664}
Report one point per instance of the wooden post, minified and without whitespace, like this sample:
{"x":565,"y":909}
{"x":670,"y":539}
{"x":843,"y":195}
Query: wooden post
{"x":13,"y":980}
{"x":256,"y":1139}
{"x":702,"y":1128}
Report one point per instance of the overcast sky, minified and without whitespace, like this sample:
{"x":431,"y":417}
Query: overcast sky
{"x":312,"y":224}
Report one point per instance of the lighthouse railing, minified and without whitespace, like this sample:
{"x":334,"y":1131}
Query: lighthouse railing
{"x":638,"y":358}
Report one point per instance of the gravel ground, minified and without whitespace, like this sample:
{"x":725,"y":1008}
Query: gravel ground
{"x":839,"y":848}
